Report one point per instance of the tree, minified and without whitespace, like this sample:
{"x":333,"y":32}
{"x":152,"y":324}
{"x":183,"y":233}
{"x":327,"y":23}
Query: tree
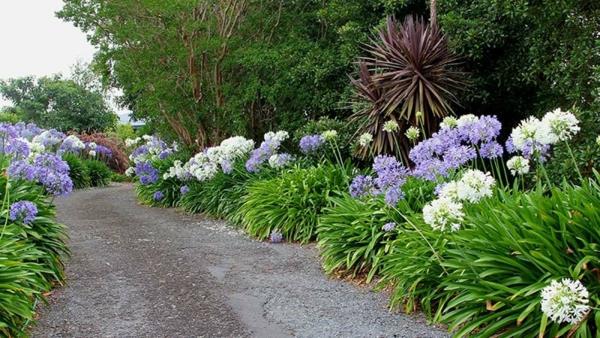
{"x":54,"y":102}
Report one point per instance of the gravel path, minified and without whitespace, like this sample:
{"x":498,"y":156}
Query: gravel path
{"x":149,"y":272}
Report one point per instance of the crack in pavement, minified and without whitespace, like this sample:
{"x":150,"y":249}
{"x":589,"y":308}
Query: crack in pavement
{"x":137,"y":271}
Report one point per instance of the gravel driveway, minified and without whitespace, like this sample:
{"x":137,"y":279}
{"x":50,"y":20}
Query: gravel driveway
{"x":148,"y":272}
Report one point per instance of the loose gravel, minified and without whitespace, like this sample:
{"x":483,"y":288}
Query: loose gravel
{"x":137,"y":271}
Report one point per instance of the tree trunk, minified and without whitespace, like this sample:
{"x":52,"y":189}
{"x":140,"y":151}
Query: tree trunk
{"x":433,"y":12}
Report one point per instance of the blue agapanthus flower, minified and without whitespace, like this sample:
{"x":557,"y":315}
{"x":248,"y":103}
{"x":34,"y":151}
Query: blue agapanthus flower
{"x":23,"y":211}
{"x":311,"y":143}
{"x":184,"y":189}
{"x":158,"y":195}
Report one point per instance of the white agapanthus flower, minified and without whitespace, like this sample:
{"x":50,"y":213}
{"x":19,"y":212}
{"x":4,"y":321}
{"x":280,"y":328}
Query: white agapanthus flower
{"x":365,"y":139}
{"x":390,"y":126}
{"x":35,"y":148}
{"x":329,"y":135}
{"x":531,"y":131}
{"x":130,"y":171}
{"x":48,"y":138}
{"x":448,"y":122}
{"x":147,"y":137}
{"x":278,"y":161}
{"x":565,"y":301}
{"x":130,"y":142}
{"x":176,"y":171}
{"x":74,"y":142}
{"x":279,"y":136}
{"x":443,"y":214}
{"x":92,"y":153}
{"x":449,"y":190}
{"x":562,"y":124}
{"x":92,"y":145}
{"x":598,"y":140}
{"x":466,"y":119}
{"x":518,"y":165}
{"x":475,"y":185}
{"x":412,"y":133}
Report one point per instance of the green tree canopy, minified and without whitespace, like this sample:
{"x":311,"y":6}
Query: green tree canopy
{"x":54,"y":102}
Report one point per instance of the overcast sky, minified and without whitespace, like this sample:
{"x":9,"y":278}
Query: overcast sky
{"x":34,"y":41}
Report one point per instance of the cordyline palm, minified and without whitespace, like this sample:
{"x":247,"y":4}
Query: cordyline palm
{"x":408,"y":70}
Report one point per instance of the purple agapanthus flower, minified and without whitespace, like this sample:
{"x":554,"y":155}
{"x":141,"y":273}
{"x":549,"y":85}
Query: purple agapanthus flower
{"x":23,"y":211}
{"x":491,"y":150}
{"x":311,"y":143}
{"x":261,"y":154}
{"x":47,"y":169}
{"x":158,"y":195}
{"x":18,"y":148}
{"x":226,"y":166}
{"x":146,"y":173}
{"x":102,"y":150}
{"x":184,"y":189}
{"x":361,"y":186}
{"x":275,"y":237}
{"x":387,"y":227}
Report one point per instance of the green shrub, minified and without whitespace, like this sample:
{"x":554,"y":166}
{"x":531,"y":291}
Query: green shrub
{"x":350,"y":231}
{"x":223,"y":195}
{"x":78,"y":171}
{"x":292,"y":202}
{"x":514,"y":246}
{"x":100,"y":173}
{"x":31,"y":257}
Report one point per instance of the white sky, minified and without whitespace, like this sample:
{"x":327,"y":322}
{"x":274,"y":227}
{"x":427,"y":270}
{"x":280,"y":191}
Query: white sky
{"x":33,"y":41}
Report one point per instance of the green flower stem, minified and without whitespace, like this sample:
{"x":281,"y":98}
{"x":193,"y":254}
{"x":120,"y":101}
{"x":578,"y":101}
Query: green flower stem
{"x":574,"y":161}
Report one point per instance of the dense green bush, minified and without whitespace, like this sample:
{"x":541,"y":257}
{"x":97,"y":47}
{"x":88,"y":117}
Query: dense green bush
{"x":31,"y":257}
{"x":350,"y":231}
{"x":514,"y":246}
{"x":78,"y":171}
{"x":292,"y":202}
{"x":100,"y":173}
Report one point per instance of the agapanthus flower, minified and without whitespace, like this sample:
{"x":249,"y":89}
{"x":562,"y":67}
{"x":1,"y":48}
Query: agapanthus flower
{"x":278,"y":161}
{"x":565,"y":301}
{"x":563,"y":125}
{"x":226,"y":166}
{"x":362,"y":186}
{"x":92,"y":153}
{"x":275,"y":236}
{"x":518,"y":165}
{"x":104,"y":151}
{"x":49,"y":138}
{"x":365,"y":139}
{"x":311,"y":143}
{"x":466,"y":120}
{"x":390,"y":126}
{"x":158,"y":195}
{"x":23,"y":211}
{"x":71,"y":144}
{"x":491,"y":150}
{"x":7,"y":131}
{"x":475,"y":185}
{"x":448,"y":190}
{"x":278,"y":136}
{"x":448,"y":122}
{"x":387,"y":227}
{"x":412,"y":133}
{"x":270,"y":145}
{"x":457,"y":156}
{"x":18,"y":148}
{"x":329,"y":135}
{"x":146,"y":173}
{"x":184,"y":189}
{"x":130,"y":142}
{"x":533,"y":132}
{"x":443,"y":214}
{"x":130,"y":171}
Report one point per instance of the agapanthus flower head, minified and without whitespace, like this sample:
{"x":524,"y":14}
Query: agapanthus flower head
{"x":448,"y":190}
{"x":276,"y":236}
{"x":562,"y":124}
{"x":329,"y":135}
{"x":387,"y":227}
{"x":266,"y":149}
{"x":311,"y":143}
{"x":158,"y":195}
{"x":475,"y":185}
{"x":457,"y":156}
{"x":278,"y":137}
{"x":532,"y":132}
{"x":491,"y":150}
{"x":443,"y":214}
{"x":146,"y":173}
{"x":130,"y":142}
{"x":518,"y":165}
{"x":92,"y":153}
{"x":130,"y":172}
{"x":18,"y":148}
{"x":8,"y":131}
{"x":565,"y":301}
{"x":390,"y":126}
{"x":184,"y":189}
{"x":412,"y":133}
{"x":23,"y":211}
{"x":365,"y":139}
{"x":448,"y":122}
{"x":278,"y":161}
{"x":71,"y":144}
{"x":362,"y":185}
{"x":49,"y":138}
